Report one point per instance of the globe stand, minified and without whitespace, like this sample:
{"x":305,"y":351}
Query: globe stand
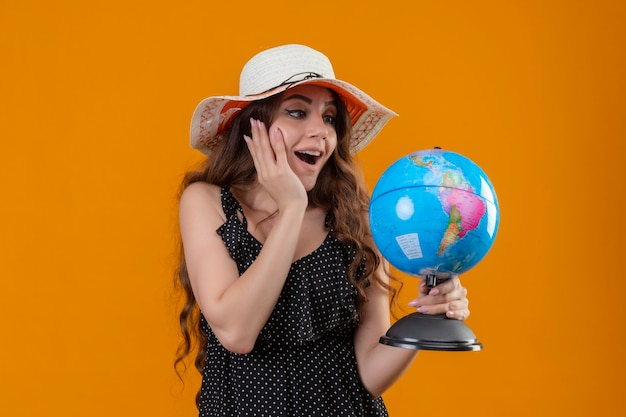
{"x":431,"y":332}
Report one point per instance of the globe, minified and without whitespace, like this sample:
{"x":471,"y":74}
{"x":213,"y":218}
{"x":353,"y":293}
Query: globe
{"x":434,"y":212}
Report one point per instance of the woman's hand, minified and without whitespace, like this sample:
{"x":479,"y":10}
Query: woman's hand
{"x":449,"y":298}
{"x":273,"y":170}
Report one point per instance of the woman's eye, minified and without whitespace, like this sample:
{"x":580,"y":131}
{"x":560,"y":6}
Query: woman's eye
{"x":330,"y":119}
{"x":298,"y":114}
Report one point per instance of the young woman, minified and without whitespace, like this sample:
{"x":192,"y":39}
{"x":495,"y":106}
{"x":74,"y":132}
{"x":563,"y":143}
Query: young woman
{"x":287,"y":296}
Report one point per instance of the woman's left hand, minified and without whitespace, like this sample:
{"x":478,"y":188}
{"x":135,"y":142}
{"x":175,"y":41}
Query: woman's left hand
{"x":449,"y":298}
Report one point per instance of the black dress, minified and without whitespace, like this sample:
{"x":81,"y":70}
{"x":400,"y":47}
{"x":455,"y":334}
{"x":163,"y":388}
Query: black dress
{"x":303,"y":363}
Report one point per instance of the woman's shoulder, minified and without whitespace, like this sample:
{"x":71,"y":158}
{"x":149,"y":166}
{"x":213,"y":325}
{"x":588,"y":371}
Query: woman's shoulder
{"x":203,"y":191}
{"x":203,"y":188}
{"x":203,"y":196}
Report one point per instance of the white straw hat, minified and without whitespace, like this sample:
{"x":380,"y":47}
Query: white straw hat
{"x":273,"y":71}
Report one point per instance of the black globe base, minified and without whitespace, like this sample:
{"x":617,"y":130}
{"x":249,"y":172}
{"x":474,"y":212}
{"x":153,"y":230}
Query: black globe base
{"x":431,"y":332}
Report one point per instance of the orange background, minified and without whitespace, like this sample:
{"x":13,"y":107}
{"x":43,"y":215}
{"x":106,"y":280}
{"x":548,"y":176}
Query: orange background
{"x":96,"y":99}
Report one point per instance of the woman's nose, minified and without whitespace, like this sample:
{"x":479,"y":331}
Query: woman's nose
{"x":318,"y":127}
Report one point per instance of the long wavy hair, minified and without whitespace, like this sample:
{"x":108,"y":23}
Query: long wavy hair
{"x":340,"y":190}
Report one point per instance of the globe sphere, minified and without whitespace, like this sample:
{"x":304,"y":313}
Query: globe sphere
{"x":434,"y":212}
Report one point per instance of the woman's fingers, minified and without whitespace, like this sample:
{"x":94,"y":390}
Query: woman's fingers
{"x":277,"y":141}
{"x":261,"y":150}
{"x":458,"y":313}
{"x":259,"y":146}
{"x":449,"y":298}
{"x":269,"y":154}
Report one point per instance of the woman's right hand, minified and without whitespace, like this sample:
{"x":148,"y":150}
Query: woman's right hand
{"x":273,"y":171}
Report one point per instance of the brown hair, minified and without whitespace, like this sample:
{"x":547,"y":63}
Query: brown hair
{"x":340,"y":189}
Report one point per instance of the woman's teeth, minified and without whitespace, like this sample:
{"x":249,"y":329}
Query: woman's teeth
{"x":310,"y":157}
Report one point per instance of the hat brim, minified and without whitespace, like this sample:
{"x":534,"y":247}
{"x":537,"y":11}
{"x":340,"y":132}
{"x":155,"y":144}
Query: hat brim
{"x":214,"y":114}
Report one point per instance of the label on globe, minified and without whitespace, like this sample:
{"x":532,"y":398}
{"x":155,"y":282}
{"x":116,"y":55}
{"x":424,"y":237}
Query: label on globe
{"x":410,"y":245}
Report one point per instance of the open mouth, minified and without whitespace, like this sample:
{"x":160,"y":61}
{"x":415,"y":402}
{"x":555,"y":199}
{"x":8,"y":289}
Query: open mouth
{"x":310,"y":157}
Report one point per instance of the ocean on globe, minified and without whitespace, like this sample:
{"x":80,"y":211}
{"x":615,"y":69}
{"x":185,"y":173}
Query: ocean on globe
{"x":434,"y":212}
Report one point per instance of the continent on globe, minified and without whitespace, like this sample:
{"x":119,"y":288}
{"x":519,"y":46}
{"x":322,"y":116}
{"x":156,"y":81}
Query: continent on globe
{"x":464,"y":209}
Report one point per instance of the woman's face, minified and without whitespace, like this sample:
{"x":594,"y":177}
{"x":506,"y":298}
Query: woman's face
{"x":306,"y":116}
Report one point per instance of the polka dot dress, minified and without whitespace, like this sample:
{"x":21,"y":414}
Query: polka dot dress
{"x":303,"y":363}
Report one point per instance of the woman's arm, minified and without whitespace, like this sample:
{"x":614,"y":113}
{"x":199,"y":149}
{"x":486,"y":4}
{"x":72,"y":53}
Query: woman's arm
{"x":236,"y":307}
{"x":381,"y":365}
